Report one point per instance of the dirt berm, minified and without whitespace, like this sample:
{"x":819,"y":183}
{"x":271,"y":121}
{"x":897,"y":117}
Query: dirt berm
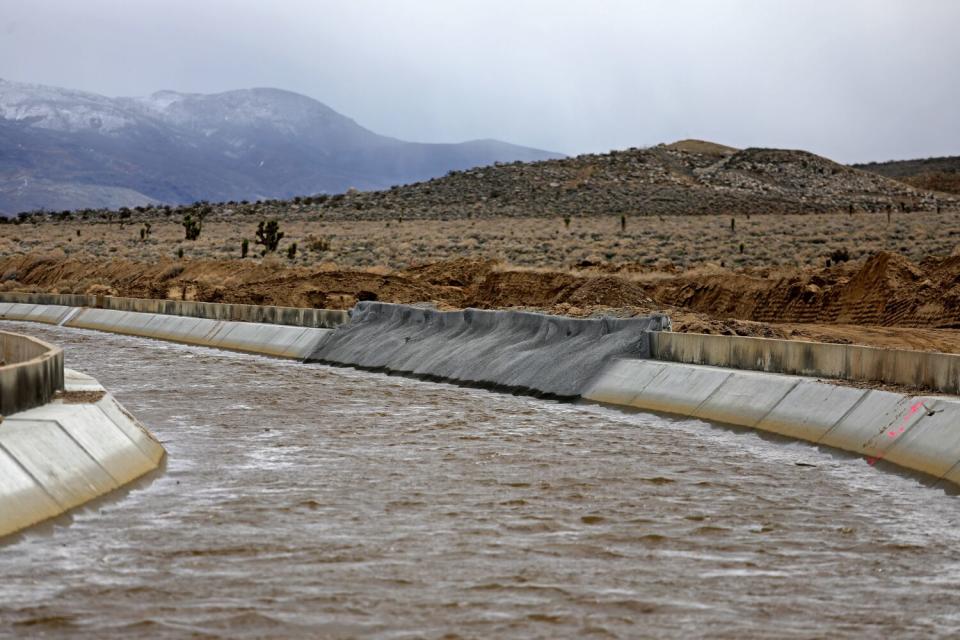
{"x":885,"y":300}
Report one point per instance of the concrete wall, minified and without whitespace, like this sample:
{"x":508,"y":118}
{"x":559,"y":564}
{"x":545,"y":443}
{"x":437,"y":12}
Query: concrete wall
{"x":914,"y":432}
{"x":295,"y":316}
{"x":531,"y":352}
{"x":279,"y":340}
{"x":607,"y":360}
{"x":267,"y":339}
{"x":934,"y":371}
{"x":30,"y":374}
{"x":65,"y":453}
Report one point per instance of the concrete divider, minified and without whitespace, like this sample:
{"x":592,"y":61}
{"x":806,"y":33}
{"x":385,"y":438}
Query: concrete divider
{"x":31,"y":372}
{"x":532,"y":352}
{"x":927,"y":370}
{"x":262,"y":314}
{"x":65,"y":453}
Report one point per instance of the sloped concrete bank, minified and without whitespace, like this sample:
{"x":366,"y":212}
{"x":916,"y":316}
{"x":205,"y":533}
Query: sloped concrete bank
{"x":606,"y":360}
{"x":282,"y":341}
{"x":529,"y":352}
{"x":921,"y":433}
{"x":67,"y":452}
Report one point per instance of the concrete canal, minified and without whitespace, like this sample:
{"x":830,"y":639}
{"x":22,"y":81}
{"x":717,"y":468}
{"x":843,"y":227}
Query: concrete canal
{"x":309,"y":501}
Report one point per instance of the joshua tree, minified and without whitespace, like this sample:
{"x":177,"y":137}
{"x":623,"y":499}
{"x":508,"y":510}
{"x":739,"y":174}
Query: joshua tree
{"x":269,"y":235}
{"x":192,"y":226}
{"x":623,"y":223}
{"x":292,"y":251}
{"x":566,"y":221}
{"x":244,"y":248}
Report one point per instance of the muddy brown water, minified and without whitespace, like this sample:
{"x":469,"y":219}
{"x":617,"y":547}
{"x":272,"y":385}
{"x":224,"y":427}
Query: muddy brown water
{"x":308,"y":501}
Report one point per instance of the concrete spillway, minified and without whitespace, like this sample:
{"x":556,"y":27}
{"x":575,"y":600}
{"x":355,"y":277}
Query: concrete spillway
{"x":532,"y":352}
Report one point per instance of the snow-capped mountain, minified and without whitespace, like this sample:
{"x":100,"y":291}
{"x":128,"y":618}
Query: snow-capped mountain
{"x":65,"y":149}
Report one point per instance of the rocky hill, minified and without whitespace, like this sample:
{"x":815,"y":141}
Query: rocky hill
{"x":63,"y":149}
{"x":689,"y":177}
{"x":936,"y":174}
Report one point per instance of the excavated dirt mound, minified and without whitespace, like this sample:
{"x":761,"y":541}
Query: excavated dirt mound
{"x":886,"y":290}
{"x":886,"y":300}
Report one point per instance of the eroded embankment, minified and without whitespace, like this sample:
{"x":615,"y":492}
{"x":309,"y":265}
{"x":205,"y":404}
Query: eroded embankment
{"x":532,"y":352}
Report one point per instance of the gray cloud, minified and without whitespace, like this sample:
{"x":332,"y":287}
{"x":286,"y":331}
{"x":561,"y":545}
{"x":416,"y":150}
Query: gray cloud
{"x":850,"y":79}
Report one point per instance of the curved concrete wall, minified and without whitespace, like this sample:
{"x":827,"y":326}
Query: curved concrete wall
{"x":31,"y":372}
{"x":63,"y":454}
{"x":599,"y":359}
{"x":914,"y":432}
{"x":282,"y":341}
{"x":266,"y":339}
{"x":263,"y":314}
{"x":508,"y":349}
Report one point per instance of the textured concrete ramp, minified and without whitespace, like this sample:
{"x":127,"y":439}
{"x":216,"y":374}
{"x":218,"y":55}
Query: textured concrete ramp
{"x":506,"y":349}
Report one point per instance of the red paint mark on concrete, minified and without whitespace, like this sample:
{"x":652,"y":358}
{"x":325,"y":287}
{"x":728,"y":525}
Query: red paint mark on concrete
{"x":893,"y":434}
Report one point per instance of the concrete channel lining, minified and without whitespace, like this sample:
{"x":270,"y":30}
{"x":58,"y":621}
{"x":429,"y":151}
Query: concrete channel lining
{"x":262,"y":314}
{"x":67,"y":452}
{"x":921,"y":433}
{"x":531,"y":352}
{"x":927,"y":370}
{"x":606,"y":360}
{"x":278,"y":340}
{"x":31,"y":373}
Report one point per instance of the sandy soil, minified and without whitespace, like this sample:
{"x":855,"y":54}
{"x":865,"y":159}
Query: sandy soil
{"x":885,"y":300}
{"x":668,"y":243}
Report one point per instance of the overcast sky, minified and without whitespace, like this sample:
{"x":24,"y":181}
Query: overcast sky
{"x":850,"y":79}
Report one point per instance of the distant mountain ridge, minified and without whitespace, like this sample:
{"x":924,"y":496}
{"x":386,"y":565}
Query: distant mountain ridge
{"x":66,"y":149}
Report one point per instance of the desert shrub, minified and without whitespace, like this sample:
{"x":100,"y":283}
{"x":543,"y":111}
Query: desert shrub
{"x":292,"y":251}
{"x":244,"y":248}
{"x":839,"y":255}
{"x":318,"y":245}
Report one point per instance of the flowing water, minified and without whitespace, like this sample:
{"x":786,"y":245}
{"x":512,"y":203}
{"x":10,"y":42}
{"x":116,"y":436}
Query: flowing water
{"x":308,"y":501}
